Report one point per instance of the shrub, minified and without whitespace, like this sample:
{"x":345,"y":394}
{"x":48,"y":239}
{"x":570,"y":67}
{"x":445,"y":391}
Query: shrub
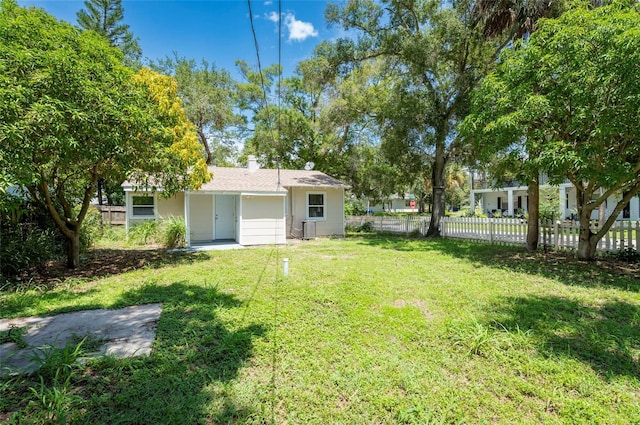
{"x":144,"y":233}
{"x":24,"y":246}
{"x":365,"y":227}
{"x":174,"y":232}
{"x":91,"y":229}
{"x":353,"y":207}
{"x":629,"y":255}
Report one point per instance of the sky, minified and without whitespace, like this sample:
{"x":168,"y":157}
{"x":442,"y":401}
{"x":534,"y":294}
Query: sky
{"x":218,"y":31}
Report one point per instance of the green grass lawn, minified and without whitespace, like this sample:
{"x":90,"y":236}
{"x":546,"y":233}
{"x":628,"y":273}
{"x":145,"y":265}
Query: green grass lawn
{"x":372,"y":329}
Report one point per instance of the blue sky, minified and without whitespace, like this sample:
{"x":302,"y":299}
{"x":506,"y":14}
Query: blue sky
{"x":218,"y":31}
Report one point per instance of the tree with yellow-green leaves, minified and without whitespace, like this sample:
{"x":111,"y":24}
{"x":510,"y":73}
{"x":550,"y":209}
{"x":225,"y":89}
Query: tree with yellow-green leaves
{"x":72,"y":113}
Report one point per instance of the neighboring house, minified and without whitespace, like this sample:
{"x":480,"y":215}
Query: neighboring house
{"x":513,"y":199}
{"x":394,"y":204}
{"x":251,"y":206}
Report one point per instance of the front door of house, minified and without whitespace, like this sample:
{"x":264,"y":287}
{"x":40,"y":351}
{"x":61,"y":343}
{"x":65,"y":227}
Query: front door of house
{"x":225,"y":217}
{"x":200,"y":214}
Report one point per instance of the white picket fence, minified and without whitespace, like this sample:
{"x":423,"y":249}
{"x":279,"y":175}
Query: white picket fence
{"x":557,"y":235}
{"x":506,"y":231}
{"x":406,"y":224}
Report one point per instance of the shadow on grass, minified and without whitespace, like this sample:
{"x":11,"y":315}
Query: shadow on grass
{"x":195,"y":354}
{"x":562,"y":267}
{"x":102,"y":262}
{"x":605,"y":336}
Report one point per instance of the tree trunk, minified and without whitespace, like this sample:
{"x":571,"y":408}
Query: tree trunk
{"x":205,"y":144}
{"x":100,"y":184}
{"x":533,"y":230}
{"x":587,"y":240}
{"x":73,"y":250}
{"x":438,"y":190}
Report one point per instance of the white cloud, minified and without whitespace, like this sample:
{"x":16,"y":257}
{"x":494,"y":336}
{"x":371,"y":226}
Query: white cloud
{"x":298,"y":30}
{"x":273,"y":17}
{"x":268,"y":3}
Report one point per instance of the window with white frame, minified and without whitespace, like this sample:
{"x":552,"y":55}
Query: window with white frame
{"x":316,"y":207}
{"x":142,"y":206}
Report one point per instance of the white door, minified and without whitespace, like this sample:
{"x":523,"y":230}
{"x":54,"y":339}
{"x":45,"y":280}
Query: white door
{"x":225,"y":206}
{"x":201,"y":217}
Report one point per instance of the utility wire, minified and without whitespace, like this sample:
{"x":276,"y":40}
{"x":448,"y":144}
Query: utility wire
{"x":274,"y":360}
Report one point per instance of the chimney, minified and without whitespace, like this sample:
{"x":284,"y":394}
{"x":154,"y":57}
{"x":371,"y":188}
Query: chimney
{"x":252,"y":163}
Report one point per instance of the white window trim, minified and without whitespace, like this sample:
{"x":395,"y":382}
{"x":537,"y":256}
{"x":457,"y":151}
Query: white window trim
{"x":324,"y":206}
{"x":155,"y":206}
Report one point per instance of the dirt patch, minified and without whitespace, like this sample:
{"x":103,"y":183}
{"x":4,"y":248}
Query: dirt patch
{"x":100,"y":263}
{"x":419,"y":304}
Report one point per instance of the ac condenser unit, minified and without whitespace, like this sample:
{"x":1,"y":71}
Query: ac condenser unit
{"x":308,"y":230}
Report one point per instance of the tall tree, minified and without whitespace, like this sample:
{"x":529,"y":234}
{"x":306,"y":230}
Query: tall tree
{"x":571,"y":94}
{"x":105,"y":17}
{"x":436,"y":53}
{"x":209,"y":97}
{"x":318,"y":118}
{"x":72,"y":113}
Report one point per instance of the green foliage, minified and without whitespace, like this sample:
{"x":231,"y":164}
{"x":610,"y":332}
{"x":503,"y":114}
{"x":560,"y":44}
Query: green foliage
{"x":565,"y":103}
{"x":14,"y":334}
{"x":144,"y":233}
{"x":104,"y":17}
{"x":208,"y":97}
{"x":629,"y":255}
{"x":353,"y":207}
{"x":549,"y":204}
{"x":475,"y":337}
{"x":174,"y":231}
{"x":54,"y":402}
{"x":56,"y":363}
{"x":71,"y":113}
{"x":26,"y":245}
{"x":91,"y":229}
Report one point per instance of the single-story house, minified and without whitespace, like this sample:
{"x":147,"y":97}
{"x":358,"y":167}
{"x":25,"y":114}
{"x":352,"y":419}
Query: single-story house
{"x":398,"y":203}
{"x":251,"y":206}
{"x":512,"y":200}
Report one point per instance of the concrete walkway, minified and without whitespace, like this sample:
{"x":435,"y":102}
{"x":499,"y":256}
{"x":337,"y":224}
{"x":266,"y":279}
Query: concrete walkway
{"x":125,"y":332}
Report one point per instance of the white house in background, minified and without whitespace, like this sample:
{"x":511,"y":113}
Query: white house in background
{"x":251,"y":206}
{"x":395,"y":204}
{"x":513,"y":199}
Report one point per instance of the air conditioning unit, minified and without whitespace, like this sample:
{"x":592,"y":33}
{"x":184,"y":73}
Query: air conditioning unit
{"x":308,"y":230}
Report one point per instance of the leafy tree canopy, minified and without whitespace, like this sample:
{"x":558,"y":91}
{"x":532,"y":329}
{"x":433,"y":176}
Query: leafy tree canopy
{"x":568,"y":101}
{"x":208,"y":96}
{"x":104,"y":17}
{"x":72,"y":113}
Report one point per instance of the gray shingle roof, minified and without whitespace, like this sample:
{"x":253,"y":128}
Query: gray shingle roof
{"x":263,"y":180}
{"x":266,"y":180}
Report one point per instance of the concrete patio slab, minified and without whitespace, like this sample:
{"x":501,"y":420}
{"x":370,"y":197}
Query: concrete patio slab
{"x":124,"y":332}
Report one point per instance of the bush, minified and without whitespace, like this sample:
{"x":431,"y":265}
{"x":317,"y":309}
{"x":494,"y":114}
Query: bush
{"x":26,"y":246}
{"x":353,"y":207}
{"x":365,"y":227}
{"x":143,"y":234}
{"x":174,"y":232}
{"x":629,"y":255}
{"x":91,"y":229}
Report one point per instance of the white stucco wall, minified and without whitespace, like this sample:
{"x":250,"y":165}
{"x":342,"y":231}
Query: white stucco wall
{"x":173,"y":206}
{"x":331,"y":224}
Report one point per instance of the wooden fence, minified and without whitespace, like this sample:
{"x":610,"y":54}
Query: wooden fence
{"x":511,"y":231}
{"x":112,"y":214}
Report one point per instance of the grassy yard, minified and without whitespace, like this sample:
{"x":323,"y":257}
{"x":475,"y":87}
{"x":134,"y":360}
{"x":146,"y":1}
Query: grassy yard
{"x":370,"y":329}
